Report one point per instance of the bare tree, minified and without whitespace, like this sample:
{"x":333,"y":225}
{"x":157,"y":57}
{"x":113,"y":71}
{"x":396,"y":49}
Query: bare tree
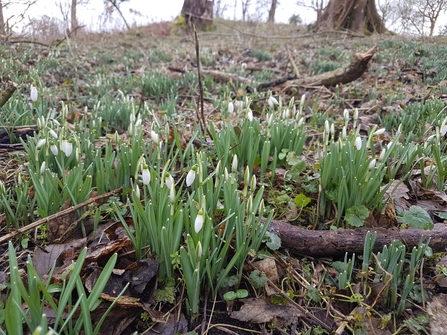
{"x":245,"y":5}
{"x":272,"y":11}
{"x":2,"y":20}
{"x":115,"y":4}
{"x":198,"y":13}
{"x":317,"y":5}
{"x":73,"y":17}
{"x":219,"y":8}
{"x":360,"y":16}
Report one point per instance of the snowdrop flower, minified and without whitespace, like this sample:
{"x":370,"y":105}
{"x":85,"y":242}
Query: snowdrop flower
{"x":230,"y":108}
{"x":136,"y":189}
{"x":358,"y":142}
{"x":285,"y":114}
{"x":234,"y":164}
{"x":379,"y":131}
{"x":327,"y":127}
{"x":191,"y":176}
{"x":443,"y":130}
{"x":198,"y":222}
{"x":430,"y":138}
{"x":199,"y":250}
{"x":249,"y":115}
{"x":169,"y":181}
{"x":34,"y":94}
{"x":172,"y":193}
{"x":155,"y":137}
{"x":145,"y":174}
{"x":52,"y":133}
{"x":372,"y":164}
{"x":54,"y":149}
{"x":356,"y":114}
{"x":300,"y":122}
{"x":42,"y":167}
{"x":41,"y":143}
{"x":272,"y":101}
{"x":346,"y":115}
{"x":382,"y":155}
{"x":332,"y":129}
{"x":270,"y":120}
{"x":67,"y":147}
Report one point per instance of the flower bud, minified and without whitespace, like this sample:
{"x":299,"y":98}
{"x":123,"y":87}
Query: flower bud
{"x":198,"y":222}
{"x":358,"y":142}
{"x":34,"y":93}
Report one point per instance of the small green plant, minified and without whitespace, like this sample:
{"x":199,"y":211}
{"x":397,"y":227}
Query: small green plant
{"x":38,"y":295}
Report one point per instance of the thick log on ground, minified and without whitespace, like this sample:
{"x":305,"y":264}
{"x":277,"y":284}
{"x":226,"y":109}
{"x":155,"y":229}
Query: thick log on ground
{"x":319,"y":243}
{"x":358,"y":65}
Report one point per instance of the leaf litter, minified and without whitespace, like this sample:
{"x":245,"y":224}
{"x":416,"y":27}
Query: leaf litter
{"x":386,"y":88}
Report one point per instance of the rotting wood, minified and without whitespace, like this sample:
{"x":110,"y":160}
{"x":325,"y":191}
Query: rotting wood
{"x":358,"y":65}
{"x":318,"y":243}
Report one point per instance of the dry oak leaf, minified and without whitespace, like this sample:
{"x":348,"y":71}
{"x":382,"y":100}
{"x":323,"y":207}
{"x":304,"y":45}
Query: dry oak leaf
{"x":260,"y":311}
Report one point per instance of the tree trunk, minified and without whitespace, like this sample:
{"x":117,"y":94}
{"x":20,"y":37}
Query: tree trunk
{"x":198,"y":13}
{"x":360,"y":16}
{"x":272,"y":12}
{"x":74,"y":21}
{"x":2,"y":20}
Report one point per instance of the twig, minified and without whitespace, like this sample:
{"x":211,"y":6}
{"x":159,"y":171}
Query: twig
{"x":295,"y":69}
{"x":72,"y":209}
{"x":202,"y":113}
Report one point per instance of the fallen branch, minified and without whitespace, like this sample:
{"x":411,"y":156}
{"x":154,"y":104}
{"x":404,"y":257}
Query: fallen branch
{"x":358,"y":65}
{"x":47,"y":219}
{"x":7,"y":94}
{"x":318,"y":243}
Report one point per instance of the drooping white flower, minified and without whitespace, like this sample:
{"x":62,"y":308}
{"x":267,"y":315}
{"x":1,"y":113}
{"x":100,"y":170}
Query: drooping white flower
{"x":327,"y":128}
{"x":145,"y":174}
{"x":270,"y":120}
{"x":52,"y":133}
{"x":382,"y":155}
{"x":230,"y":108}
{"x":42,"y":167}
{"x":198,"y":222}
{"x":190,"y":177}
{"x":136,"y":189}
{"x":249,"y":115}
{"x":34,"y":94}
{"x":199,"y":250}
{"x":67,"y":147}
{"x":332,"y":129}
{"x":272,"y":101}
{"x":169,"y":181}
{"x":41,"y":143}
{"x":155,"y":137}
{"x":358,"y":142}
{"x":379,"y":131}
{"x":234,"y":164}
{"x":430,"y":138}
{"x":372,"y":164}
{"x":54,"y":149}
{"x":346,"y":115}
{"x":300,"y":122}
{"x":172,"y":193}
{"x":443,"y":130}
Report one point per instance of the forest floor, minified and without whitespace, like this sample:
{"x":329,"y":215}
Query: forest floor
{"x":150,"y":72}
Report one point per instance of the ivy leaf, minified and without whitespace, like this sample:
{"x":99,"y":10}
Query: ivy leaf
{"x":417,"y":217}
{"x":356,"y":215}
{"x":301,"y":200}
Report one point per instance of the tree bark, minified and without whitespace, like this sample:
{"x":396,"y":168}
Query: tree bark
{"x":198,"y":13}
{"x":272,"y":12}
{"x":319,"y":243}
{"x":356,"y":15}
{"x":73,"y":19}
{"x":2,"y":20}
